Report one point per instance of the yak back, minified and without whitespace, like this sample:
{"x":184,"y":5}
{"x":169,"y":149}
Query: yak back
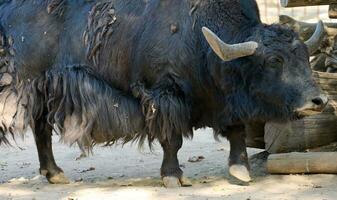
{"x":123,"y":41}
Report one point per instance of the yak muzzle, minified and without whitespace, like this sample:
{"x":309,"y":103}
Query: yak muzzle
{"x":314,"y":107}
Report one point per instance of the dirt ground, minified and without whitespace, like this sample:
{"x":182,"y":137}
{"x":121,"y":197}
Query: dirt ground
{"x":129,"y":173}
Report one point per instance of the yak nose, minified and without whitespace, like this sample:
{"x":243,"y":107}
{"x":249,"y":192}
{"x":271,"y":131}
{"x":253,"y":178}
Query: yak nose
{"x":320,"y":101}
{"x":313,"y":107}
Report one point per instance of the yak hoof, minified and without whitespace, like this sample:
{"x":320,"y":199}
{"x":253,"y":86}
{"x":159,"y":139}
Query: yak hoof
{"x":240,"y":172}
{"x":43,"y":172}
{"x":185,"y":182}
{"x":59,"y":179}
{"x":171,"y":182}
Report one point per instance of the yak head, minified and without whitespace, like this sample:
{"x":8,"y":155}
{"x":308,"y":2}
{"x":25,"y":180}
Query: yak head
{"x":275,"y":78}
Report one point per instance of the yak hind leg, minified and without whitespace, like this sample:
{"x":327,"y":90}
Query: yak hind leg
{"x":238,"y":159}
{"x":48,"y":167}
{"x":170,"y":171}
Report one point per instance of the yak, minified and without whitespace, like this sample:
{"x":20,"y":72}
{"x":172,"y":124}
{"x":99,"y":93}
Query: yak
{"x":103,"y":71}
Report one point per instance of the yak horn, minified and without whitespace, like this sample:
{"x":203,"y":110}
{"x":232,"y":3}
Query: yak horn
{"x":316,"y":39}
{"x":228,"y":52}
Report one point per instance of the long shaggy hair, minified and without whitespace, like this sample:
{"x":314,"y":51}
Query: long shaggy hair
{"x":86,"y":109}
{"x":56,"y":7}
{"x":101,"y":23}
{"x":13,"y":103}
{"x":83,"y":108}
{"x":80,"y":107}
{"x":165,"y":109}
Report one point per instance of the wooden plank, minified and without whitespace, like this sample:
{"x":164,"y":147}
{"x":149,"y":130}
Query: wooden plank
{"x":298,"y":3}
{"x":323,"y":116}
{"x":332,"y":97}
{"x":328,"y":88}
{"x":299,"y":163}
{"x":331,"y":92}
{"x":327,"y":148}
{"x":327,"y":123}
{"x":322,"y":126}
{"x":331,"y":82}
{"x":320,"y":121}
{"x":324,"y":75}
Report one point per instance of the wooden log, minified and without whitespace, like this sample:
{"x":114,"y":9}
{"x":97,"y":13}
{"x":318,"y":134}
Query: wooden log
{"x":255,"y":142}
{"x":301,"y":135}
{"x":298,"y":3}
{"x":255,"y":135}
{"x":332,"y":97}
{"x":330,"y":82}
{"x":306,"y":29}
{"x":325,"y":75}
{"x":300,"y":163}
{"x":327,"y":148}
{"x":328,"y":88}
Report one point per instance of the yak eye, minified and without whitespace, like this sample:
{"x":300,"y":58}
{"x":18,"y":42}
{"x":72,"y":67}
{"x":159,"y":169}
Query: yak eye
{"x":275,"y":62}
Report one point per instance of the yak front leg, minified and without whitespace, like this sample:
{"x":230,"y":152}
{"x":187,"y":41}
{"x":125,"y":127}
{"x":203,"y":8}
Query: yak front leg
{"x":48,"y":167}
{"x":238,"y":158}
{"x":167,"y":114}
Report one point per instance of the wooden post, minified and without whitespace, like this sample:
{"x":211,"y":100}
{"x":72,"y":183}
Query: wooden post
{"x":298,"y":3}
{"x":300,"y":163}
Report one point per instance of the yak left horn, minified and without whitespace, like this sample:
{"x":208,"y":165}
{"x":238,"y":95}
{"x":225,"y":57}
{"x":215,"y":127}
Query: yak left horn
{"x":228,"y":52}
{"x":316,"y":39}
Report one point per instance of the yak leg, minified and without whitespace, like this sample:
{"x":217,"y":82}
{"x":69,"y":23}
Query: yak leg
{"x":167,"y":114}
{"x":170,"y":171}
{"x":83,"y":152}
{"x":48,"y":167}
{"x":238,"y":158}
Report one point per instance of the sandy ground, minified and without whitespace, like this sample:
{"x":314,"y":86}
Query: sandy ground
{"x":129,"y":173}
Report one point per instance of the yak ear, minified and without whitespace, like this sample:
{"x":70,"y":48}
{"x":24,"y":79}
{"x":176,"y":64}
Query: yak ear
{"x":228,"y":52}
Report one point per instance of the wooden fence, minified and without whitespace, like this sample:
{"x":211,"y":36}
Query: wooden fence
{"x":271,"y":9}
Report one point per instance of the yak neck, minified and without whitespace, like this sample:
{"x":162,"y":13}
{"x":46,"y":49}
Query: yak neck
{"x":233,"y":21}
